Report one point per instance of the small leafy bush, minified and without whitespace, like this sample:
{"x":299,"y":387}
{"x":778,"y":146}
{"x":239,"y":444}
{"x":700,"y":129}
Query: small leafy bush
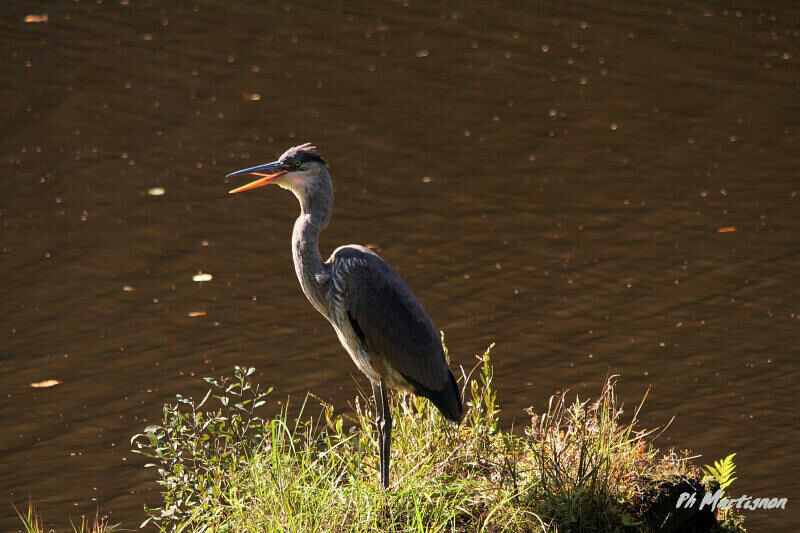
{"x":199,"y":445}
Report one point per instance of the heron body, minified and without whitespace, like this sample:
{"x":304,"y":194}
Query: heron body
{"x":379,"y":321}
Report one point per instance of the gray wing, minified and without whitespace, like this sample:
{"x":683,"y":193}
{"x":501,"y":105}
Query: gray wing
{"x":388,"y":317}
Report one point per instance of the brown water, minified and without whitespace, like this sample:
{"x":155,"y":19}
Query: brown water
{"x":550,"y":178}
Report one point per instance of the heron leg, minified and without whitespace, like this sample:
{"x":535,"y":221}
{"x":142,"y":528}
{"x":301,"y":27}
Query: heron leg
{"x":386,"y":435}
{"x":377,"y":395}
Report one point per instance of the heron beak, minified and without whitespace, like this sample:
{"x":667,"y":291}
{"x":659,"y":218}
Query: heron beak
{"x":259,"y":170}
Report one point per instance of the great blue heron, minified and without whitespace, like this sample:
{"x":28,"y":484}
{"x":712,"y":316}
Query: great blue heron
{"x":377,"y":318}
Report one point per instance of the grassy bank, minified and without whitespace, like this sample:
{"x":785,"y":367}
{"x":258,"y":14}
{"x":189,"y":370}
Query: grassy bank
{"x":579,"y":465}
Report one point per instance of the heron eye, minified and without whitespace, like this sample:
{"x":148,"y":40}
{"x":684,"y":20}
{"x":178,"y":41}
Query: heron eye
{"x":298,"y":163}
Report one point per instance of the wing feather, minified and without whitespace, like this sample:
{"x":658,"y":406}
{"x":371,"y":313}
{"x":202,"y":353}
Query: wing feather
{"x":388,"y":317}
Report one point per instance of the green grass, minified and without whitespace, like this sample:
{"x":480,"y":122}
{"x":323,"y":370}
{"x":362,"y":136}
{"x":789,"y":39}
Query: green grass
{"x":579,"y":465}
{"x":33,"y":523}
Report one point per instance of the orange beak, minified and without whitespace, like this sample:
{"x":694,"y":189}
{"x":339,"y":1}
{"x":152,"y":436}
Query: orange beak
{"x":265,"y":179}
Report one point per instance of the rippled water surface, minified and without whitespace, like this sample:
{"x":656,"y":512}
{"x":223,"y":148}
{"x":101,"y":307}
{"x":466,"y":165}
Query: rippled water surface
{"x":595,"y":189}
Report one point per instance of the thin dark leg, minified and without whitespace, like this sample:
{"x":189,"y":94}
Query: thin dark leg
{"x":386,"y":441}
{"x":377,"y":395}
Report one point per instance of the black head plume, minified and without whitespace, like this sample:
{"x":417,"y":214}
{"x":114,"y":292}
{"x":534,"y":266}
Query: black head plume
{"x":303,"y":152}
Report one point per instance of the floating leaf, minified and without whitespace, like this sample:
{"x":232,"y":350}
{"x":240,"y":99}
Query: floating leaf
{"x":36,"y":18}
{"x":197,"y":313}
{"x":200,"y":276}
{"x":46,"y":383}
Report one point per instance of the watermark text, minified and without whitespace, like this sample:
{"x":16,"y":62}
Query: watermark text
{"x":689,"y":499}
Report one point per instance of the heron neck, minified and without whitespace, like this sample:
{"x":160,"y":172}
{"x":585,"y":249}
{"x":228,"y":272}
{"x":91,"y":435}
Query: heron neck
{"x":311,"y":270}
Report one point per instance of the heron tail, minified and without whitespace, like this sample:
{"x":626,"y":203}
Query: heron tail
{"x":447,"y":399}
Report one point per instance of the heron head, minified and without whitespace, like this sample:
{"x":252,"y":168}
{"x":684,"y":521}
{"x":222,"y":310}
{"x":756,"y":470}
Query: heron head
{"x":300,"y":169}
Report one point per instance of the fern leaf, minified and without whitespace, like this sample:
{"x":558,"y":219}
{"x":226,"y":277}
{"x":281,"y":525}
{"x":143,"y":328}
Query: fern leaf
{"x":723,"y":471}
